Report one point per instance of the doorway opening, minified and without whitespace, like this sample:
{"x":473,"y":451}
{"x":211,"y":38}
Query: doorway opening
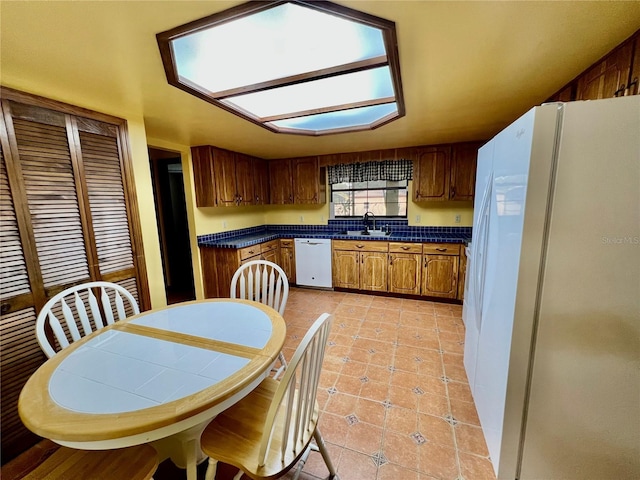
{"x":173,"y":228}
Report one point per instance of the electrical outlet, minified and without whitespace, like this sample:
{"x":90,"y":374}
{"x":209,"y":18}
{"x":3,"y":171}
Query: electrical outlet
{"x":417,"y":218}
{"x":458,"y":218}
{"x":301,"y":218}
{"x":321,"y":218}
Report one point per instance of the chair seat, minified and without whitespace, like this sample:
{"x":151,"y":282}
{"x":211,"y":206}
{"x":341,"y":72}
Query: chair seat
{"x":134,"y":463}
{"x":235,"y":435}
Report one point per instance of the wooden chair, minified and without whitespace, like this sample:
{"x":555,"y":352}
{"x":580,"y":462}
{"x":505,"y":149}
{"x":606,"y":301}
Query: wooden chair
{"x":269,"y":430}
{"x":82,"y":311}
{"x":133,"y":463}
{"x":265,"y":282}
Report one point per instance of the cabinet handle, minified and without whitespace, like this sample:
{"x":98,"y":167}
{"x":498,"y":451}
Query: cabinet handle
{"x":360,"y":246}
{"x":441,"y":249}
{"x":361,"y":258}
{"x":405,"y":248}
{"x":620,"y":92}
{"x":251,"y":251}
{"x":425,"y":262}
{"x":390,"y":260}
{"x":453,"y":191}
{"x":628,"y":90}
{"x":290,"y":198}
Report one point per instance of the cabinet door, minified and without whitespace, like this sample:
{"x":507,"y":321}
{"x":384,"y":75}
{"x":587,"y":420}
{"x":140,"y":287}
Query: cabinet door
{"x":440,"y":276}
{"x":463,"y":171}
{"x":203,"y":178}
{"x":280,"y":181}
{"x":272,"y":256}
{"x":260,"y":181}
{"x":462,"y":274}
{"x":346,"y":269}
{"x":431,"y":179}
{"x":607,"y":78}
{"x":224,"y":171}
{"x":305,"y":180}
{"x":244,"y":179}
{"x":288,"y":263}
{"x":404,"y":273}
{"x":373,"y":271}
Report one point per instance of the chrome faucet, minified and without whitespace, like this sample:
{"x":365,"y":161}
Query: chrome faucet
{"x":366,"y":217}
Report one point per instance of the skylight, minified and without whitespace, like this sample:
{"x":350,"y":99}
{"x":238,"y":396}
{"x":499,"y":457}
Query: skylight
{"x":310,"y":68}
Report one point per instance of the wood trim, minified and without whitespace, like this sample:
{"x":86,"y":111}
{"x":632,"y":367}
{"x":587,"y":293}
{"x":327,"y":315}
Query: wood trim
{"x":43,"y":102}
{"x":133,"y":217}
{"x":184,"y":339}
{"x":335,"y":108}
{"x":83,"y":197}
{"x":345,"y":68}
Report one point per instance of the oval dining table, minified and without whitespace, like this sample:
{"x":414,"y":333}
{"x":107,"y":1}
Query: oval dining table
{"x":158,"y":377}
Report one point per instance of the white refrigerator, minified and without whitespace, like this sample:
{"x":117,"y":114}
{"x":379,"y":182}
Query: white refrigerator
{"x":552,"y":347}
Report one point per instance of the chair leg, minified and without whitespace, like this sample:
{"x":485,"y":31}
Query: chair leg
{"x":211,"y":469}
{"x":324,"y":452}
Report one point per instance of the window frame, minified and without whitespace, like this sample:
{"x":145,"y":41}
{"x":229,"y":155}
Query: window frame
{"x":405,"y":188}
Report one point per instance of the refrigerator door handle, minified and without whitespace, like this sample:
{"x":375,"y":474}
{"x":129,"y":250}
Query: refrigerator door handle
{"x":481,"y":249}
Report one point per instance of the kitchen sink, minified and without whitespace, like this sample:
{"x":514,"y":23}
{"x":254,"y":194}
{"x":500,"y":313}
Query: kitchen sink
{"x":370,"y":233}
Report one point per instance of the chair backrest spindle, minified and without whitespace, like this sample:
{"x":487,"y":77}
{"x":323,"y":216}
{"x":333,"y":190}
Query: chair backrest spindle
{"x":261,"y":281}
{"x":81,"y":295}
{"x":295,"y":397}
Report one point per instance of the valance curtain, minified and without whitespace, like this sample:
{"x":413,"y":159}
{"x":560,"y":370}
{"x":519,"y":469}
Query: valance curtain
{"x":392,"y":170}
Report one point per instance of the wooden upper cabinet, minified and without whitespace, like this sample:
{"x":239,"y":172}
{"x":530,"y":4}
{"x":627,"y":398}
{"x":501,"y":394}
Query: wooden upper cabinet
{"x":244,"y":179}
{"x":203,"y":177}
{"x":431,"y":177}
{"x":463,"y":171}
{"x":308,"y":187}
{"x":296,"y":180}
{"x":260,"y":181}
{"x":609,"y":77}
{"x":280,"y":181}
{"x":222,"y":177}
{"x":224,"y":171}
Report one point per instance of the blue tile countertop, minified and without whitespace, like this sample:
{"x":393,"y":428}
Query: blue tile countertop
{"x":336,"y":229}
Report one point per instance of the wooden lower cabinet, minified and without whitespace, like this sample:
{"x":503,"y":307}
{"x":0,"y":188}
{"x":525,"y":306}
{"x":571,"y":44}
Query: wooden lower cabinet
{"x":462,"y":273}
{"x":288,"y":258}
{"x":404,"y":268}
{"x":373,"y":271}
{"x":219,"y":264}
{"x":429,"y":269}
{"x":440,"y":275}
{"x":360,"y":265}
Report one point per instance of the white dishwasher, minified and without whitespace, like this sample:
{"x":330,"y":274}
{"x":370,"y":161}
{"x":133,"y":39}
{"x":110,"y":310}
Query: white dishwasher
{"x":313,"y":262}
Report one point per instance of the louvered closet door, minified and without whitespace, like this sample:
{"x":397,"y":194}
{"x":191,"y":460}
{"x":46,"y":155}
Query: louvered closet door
{"x":68,"y":215}
{"x":48,"y":172}
{"x":20,"y":354}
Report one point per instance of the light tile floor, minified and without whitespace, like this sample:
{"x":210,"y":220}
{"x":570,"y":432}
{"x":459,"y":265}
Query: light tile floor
{"x":393,"y":393}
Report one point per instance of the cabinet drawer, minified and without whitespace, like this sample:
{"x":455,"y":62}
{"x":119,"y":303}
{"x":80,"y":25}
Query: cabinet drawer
{"x":361,"y":246}
{"x":286,"y":243}
{"x":251,"y":251}
{"x":268,"y":246}
{"x":395,"y":247}
{"x":441,"y":248}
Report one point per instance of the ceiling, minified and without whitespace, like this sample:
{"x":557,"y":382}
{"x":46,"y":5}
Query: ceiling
{"x":468,"y":68}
